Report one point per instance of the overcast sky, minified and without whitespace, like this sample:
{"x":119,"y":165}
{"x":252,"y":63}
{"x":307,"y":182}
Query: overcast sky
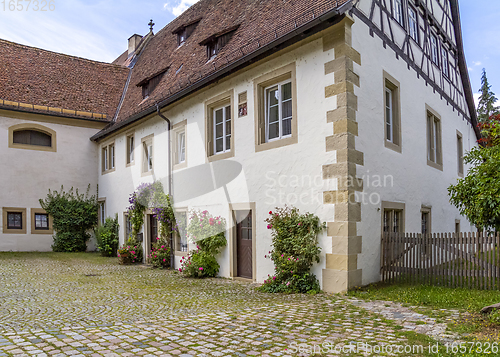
{"x":99,"y":29}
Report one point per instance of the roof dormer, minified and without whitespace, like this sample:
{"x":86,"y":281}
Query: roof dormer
{"x":216,"y":43}
{"x":183,"y":32}
{"x":149,"y":84}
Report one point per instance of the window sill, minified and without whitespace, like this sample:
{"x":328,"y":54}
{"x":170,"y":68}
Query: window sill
{"x":33,"y":147}
{"x":460,"y":174}
{"x":180,"y":166}
{"x":147,"y":173}
{"x":181,"y":254}
{"x":221,"y":156}
{"x":130,"y":164}
{"x":392,"y":146}
{"x":42,"y":231}
{"x":108,"y":171}
{"x":276,"y":144}
{"x":14,"y":231}
{"x":434,"y":165}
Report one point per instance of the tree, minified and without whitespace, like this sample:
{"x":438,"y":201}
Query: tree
{"x":477,"y":196}
{"x":486,"y":107}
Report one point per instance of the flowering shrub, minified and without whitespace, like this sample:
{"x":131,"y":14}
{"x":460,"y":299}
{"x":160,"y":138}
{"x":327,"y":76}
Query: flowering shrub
{"x":199,"y":264}
{"x":160,"y":254}
{"x":130,"y":252}
{"x":207,"y":232}
{"x":295,"y":250}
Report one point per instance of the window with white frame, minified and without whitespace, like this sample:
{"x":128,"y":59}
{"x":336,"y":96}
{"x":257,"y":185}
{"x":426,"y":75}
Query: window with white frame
{"x":147,"y":155}
{"x":389,"y":115}
{"x":102,"y":212}
{"x":398,"y":11}
{"x":393,"y":221}
{"x":434,"y":50}
{"x":434,"y":152}
{"x":181,"y":243}
{"x":392,"y":120}
{"x":181,"y":147}
{"x":105,"y":166}
{"x":444,"y":62}
{"x":279,"y":111}
{"x":413,"y":23}
{"x":460,"y":154}
{"x":222,"y":129}
{"x":112,"y":156}
{"x":108,"y":157}
{"x":130,"y":148}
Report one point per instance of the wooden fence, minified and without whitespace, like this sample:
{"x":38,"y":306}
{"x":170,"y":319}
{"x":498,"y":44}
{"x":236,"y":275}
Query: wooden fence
{"x":467,"y":260}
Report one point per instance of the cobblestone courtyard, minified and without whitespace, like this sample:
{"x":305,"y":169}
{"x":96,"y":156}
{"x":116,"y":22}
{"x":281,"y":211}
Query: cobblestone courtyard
{"x":86,"y":305}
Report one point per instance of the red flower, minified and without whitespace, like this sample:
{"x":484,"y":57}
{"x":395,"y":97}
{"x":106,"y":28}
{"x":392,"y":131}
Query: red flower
{"x":270,"y":212}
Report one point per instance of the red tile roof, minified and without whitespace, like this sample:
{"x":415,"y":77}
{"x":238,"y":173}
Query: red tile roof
{"x":260,"y":22}
{"x":43,"y":78}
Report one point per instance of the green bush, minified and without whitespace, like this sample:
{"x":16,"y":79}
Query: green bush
{"x":160,"y":254}
{"x":295,"y":250}
{"x":199,"y":264}
{"x":107,"y":237}
{"x":73,"y":216}
{"x":130,"y":252}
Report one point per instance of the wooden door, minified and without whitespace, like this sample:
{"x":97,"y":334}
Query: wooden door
{"x":153,"y":231}
{"x":244,"y":242}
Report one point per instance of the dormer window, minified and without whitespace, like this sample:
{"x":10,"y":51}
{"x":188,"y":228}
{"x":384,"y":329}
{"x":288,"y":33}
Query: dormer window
{"x":185,"y":31}
{"x":148,"y":85}
{"x":217,"y":42}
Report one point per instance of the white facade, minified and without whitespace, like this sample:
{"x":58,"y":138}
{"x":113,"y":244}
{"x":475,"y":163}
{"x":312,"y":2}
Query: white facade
{"x":270,"y":178}
{"x":29,"y":173}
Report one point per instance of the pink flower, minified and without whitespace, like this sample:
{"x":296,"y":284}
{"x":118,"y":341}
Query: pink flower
{"x":201,"y":225}
{"x":300,"y":223}
{"x":201,"y":268}
{"x":211,"y":221}
{"x":133,"y":252}
{"x":163,"y":259}
{"x":180,"y":269}
{"x":274,"y":278}
{"x":218,"y":223}
{"x":269,"y":226}
{"x":163,"y":246}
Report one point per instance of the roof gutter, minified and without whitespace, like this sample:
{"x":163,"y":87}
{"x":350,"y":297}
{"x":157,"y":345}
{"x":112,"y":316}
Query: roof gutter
{"x":462,"y":64}
{"x":318,"y":24}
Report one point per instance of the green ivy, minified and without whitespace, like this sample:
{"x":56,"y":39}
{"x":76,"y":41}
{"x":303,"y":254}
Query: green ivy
{"x":295,"y":250}
{"x":73,"y":215}
{"x":107,"y":237}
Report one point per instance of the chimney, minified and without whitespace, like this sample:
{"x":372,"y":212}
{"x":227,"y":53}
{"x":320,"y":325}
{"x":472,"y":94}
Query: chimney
{"x":133,"y":42}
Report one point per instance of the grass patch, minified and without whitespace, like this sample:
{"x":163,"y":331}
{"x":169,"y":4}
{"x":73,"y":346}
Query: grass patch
{"x":431,"y":300}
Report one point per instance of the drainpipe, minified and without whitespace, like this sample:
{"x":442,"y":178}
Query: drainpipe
{"x":169,"y":178}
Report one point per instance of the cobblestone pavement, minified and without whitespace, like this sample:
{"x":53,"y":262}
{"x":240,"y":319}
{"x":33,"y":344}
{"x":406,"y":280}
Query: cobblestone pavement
{"x":85,"y":305}
{"x":411,"y":320}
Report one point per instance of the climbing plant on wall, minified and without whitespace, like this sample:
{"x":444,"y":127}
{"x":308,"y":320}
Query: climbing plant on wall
{"x":74,"y":215}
